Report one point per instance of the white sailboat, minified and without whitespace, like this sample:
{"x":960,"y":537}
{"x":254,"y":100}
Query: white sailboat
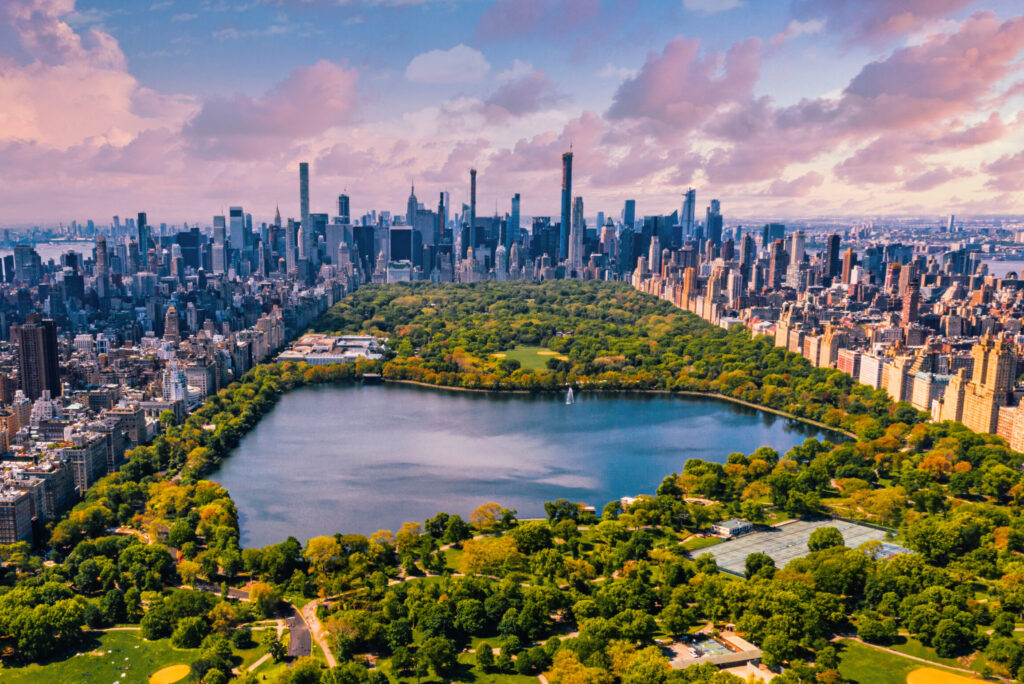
{"x":569,"y":399}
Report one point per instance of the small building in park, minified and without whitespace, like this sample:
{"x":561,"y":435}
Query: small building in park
{"x":733,"y":527}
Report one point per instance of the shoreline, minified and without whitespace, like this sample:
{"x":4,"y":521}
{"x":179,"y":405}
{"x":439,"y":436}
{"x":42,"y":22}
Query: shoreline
{"x":685,"y":393}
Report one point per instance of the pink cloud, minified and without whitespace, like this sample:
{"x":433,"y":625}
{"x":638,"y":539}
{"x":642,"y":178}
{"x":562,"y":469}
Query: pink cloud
{"x":308,"y":102}
{"x":526,"y":95}
{"x":1006,"y":173}
{"x":46,"y":37}
{"x":933,"y":178}
{"x":680,"y":88}
{"x":945,"y":75}
{"x":877,"y":20}
{"x":798,"y":187}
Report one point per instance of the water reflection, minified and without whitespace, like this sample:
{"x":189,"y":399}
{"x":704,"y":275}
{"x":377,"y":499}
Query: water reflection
{"x":336,"y":459}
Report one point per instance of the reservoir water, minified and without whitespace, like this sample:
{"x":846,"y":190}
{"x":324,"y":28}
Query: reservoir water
{"x":358,"y":459}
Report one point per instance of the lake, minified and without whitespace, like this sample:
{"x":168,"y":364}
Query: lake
{"x":358,"y":459}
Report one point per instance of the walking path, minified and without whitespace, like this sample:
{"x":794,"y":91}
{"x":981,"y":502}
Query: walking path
{"x":317,"y":630}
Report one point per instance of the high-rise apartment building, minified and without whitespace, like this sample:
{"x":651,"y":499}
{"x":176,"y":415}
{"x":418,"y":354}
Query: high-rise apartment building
{"x":563,"y":235}
{"x":37,"y":355}
{"x":305,"y":229}
{"x":576,"y":239}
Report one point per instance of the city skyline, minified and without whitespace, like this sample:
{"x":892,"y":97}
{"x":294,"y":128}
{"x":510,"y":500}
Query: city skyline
{"x":809,"y":108}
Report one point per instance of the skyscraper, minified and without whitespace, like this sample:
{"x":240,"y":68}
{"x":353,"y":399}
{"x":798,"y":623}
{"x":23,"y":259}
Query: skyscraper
{"x":291,"y":247}
{"x":220,"y":247}
{"x":411,"y":206}
{"x":849,"y":261}
{"x":832,"y":260}
{"x":777,"y":265}
{"x":343,"y":209}
{"x":236,"y":228}
{"x":576,"y":238}
{"x":305,"y":228}
{"x":101,"y":256}
{"x":713,"y":223}
{"x":629,"y":213}
{"x":37,"y":357}
{"x":145,"y":239}
{"x":171,"y":330}
{"x":686,"y":216}
{"x":472,"y":204}
{"x":512,"y":232}
{"x":563,"y":236}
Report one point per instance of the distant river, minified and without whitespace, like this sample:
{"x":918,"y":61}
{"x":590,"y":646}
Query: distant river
{"x":359,"y":459}
{"x":54,"y":250}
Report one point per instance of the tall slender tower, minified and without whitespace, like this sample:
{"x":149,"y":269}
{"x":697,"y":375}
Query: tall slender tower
{"x":512,"y":234}
{"x":576,"y":238}
{"x":472,"y":204}
{"x":306,"y":228}
{"x":563,"y":241}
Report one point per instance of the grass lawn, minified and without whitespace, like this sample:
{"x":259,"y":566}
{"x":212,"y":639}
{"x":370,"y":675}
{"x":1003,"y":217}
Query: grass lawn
{"x":453,"y":559}
{"x":915,"y":648}
{"x":296,"y":600}
{"x":701,"y":543}
{"x":123,"y":653}
{"x":866,"y":665}
{"x":531,"y":358}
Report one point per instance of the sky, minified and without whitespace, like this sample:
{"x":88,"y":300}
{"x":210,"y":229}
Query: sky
{"x":779,"y":108}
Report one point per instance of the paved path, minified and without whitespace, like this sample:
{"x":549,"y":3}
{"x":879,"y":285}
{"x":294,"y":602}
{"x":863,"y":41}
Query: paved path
{"x":299,"y":643}
{"x":116,"y":629}
{"x":263,"y":659}
{"x":318,"y":631}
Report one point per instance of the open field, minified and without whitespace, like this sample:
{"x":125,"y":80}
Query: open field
{"x":123,"y":653}
{"x":785,"y":543}
{"x":866,"y":665}
{"x":531,"y":358}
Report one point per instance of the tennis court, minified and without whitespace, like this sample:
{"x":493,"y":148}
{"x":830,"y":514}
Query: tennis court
{"x":786,"y":542}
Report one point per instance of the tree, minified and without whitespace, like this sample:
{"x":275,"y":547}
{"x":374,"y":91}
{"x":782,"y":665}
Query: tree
{"x":263,"y":598}
{"x":322,"y":553}
{"x":437,"y":525}
{"x":275,"y":647}
{"x":825,"y":538}
{"x":877,"y":630}
{"x":490,"y":556}
{"x":674,"y":619}
{"x":439,"y":654}
{"x":487,"y":516}
{"x":485,"y":656}
{"x":401,"y":661}
{"x":951,"y":638}
{"x":241,"y":638}
{"x":532,"y":536}
{"x":113,"y":607}
{"x":189,"y":632}
{"x":759,"y":564}
{"x":561,"y":509}
{"x":188,"y":571}
{"x":156,"y":623}
{"x":456,"y":530}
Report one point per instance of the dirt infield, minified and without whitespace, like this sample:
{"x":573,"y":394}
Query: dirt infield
{"x":170,"y":675}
